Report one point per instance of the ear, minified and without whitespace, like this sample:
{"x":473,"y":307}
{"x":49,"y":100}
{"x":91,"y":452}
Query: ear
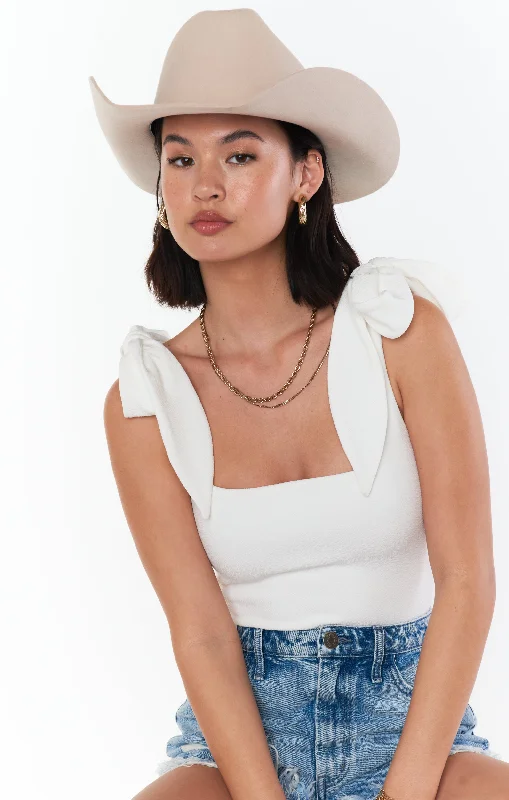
{"x":312,"y":176}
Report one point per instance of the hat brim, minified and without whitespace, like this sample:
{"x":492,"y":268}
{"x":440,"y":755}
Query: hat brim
{"x":355,"y":125}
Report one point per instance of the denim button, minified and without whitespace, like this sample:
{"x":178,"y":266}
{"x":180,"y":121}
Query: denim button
{"x":331,"y":639}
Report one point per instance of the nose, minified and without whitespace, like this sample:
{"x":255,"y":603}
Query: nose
{"x":208,"y":192}
{"x":209,"y":183}
{"x":206,"y":195}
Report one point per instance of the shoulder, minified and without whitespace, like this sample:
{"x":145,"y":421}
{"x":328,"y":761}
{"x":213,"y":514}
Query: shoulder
{"x":403,"y":307}
{"x":117,"y":418}
{"x":429,"y":330}
{"x":137,"y":453}
{"x":112,"y":401}
{"x":429,"y":324}
{"x":426,"y":355}
{"x":145,"y":368}
{"x":153,"y":383}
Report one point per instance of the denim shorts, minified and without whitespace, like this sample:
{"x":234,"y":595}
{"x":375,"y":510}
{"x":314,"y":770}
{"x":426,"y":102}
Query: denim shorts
{"x":333,"y":700}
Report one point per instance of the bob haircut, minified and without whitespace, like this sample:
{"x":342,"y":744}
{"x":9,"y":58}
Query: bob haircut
{"x":319,"y":260}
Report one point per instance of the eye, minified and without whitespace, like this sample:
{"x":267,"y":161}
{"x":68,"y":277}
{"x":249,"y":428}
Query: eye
{"x":188,"y":158}
{"x":249,"y":155}
{"x":173,"y":160}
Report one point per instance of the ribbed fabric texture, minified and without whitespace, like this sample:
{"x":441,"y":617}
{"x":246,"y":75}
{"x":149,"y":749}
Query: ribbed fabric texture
{"x":347,"y":549}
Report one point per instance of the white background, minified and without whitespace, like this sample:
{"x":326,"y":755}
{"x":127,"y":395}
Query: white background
{"x":89,"y":686}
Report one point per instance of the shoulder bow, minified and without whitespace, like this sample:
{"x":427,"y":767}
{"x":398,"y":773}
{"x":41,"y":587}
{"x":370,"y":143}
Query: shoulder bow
{"x":377,"y":301}
{"x":153,"y":381}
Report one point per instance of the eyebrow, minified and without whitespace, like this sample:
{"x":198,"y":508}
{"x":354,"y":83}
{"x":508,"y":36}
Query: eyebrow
{"x":230,"y":137}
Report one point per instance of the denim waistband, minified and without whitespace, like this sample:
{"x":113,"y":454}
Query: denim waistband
{"x":336,"y":640}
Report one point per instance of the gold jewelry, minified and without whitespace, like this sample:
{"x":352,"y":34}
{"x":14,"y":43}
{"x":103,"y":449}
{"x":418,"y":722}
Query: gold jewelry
{"x":302,"y":205}
{"x":163,"y":219}
{"x":302,"y":210}
{"x":382,"y":795}
{"x":258,"y":401}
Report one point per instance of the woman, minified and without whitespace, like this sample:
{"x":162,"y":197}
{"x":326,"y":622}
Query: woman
{"x":328,"y":605}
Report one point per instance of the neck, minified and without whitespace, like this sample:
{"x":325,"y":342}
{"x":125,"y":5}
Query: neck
{"x":249,"y":308}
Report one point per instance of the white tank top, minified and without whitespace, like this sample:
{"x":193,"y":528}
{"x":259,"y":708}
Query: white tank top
{"x":346,"y":549}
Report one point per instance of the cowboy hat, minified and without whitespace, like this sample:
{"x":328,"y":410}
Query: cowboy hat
{"x":230,"y":62}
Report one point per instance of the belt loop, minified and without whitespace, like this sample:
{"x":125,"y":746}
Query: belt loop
{"x":378,"y":655}
{"x":259,"y":673}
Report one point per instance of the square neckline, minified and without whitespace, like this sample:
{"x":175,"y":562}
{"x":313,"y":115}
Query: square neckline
{"x":296,"y":481}
{"x":281,"y":483}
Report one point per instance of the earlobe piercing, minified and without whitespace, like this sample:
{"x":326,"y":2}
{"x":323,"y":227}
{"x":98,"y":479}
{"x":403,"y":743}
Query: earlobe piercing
{"x":302,"y":210}
{"x":163,"y":219}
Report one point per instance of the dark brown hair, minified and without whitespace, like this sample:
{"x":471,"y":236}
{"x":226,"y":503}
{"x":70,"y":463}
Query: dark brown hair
{"x":318,"y":257}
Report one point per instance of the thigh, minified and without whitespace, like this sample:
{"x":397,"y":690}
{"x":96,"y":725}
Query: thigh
{"x":468,"y":776}
{"x":187,"y":783}
{"x":368,"y":720}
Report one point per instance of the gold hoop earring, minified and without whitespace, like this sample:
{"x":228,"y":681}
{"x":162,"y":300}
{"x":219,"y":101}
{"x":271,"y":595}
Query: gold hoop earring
{"x":163,"y":219}
{"x":302,"y":210}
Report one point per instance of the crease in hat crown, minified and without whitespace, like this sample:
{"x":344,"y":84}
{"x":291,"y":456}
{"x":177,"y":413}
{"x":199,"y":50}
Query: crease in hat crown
{"x":231,"y":62}
{"x":201,"y":68}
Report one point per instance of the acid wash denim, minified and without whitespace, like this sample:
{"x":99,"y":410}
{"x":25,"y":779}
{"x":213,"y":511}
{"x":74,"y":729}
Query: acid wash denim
{"x":333,"y":700}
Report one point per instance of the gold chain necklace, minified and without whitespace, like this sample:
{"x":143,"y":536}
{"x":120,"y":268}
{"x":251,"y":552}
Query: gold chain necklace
{"x":259,"y":401}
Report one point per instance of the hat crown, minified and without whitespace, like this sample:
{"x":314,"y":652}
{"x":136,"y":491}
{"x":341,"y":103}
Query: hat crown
{"x":223,"y":58}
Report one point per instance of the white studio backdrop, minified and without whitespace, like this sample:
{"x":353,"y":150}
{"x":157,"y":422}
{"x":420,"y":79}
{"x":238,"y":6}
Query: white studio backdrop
{"x":89,"y":686}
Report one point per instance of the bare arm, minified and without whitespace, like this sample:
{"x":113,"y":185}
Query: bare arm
{"x":204,"y":637}
{"x":444,"y":423}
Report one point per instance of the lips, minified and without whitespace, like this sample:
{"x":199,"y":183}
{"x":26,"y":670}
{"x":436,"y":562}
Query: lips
{"x":209,"y":216}
{"x":208,"y":227}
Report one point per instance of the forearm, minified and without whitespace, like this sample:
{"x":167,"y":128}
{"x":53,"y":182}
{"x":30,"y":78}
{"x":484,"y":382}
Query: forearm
{"x":448,"y":665}
{"x":220,"y":693}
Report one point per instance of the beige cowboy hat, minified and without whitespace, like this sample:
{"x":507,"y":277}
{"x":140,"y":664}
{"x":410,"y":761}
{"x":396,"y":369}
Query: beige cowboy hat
{"x":230,"y":62}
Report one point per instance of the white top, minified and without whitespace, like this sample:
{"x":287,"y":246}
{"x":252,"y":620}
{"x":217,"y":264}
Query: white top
{"x":349,"y":548}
